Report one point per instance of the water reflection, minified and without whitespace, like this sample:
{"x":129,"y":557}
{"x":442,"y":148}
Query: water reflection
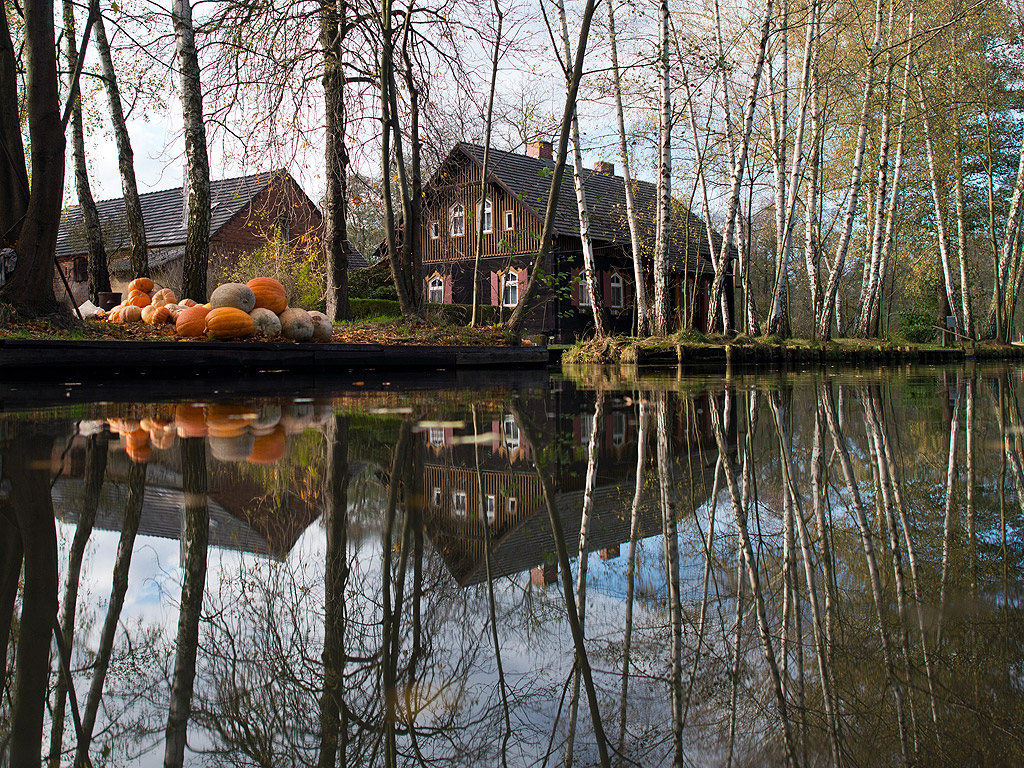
{"x":800,"y":570}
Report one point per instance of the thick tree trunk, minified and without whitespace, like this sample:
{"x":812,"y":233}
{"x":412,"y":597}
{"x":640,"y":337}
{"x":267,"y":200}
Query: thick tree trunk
{"x":197,"y":163}
{"x":13,"y":175}
{"x":99,"y":277}
{"x":26,"y":464}
{"x":332,"y":32}
{"x":1010,"y":236}
{"x":30,"y":288}
{"x":125,"y":155}
{"x":196,"y":538}
{"x":643,"y":318}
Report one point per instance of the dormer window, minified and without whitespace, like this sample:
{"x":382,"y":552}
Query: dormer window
{"x":435,"y":230}
{"x":488,"y":219}
{"x":510,"y":220}
{"x":458,"y":220}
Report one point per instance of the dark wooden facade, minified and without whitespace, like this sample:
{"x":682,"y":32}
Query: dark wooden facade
{"x":517,"y":192}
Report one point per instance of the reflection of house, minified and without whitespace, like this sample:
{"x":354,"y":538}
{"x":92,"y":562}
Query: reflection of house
{"x":242,"y":516}
{"x":467,"y":479}
{"x":246,"y":213}
{"x":513,"y":216}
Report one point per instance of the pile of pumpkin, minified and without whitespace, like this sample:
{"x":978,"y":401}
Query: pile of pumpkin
{"x":235,"y":432}
{"x":235,"y":311}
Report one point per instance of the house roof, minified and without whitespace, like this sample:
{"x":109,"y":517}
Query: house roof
{"x":529,"y":179}
{"x":163,"y":213}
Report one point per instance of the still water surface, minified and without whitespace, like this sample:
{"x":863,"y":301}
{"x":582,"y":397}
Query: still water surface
{"x":802,"y":569}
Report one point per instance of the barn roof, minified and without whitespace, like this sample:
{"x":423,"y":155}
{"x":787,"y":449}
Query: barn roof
{"x":529,"y":179}
{"x":163,"y":213}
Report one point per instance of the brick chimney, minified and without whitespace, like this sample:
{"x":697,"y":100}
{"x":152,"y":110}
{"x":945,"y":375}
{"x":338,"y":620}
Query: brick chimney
{"x":608,"y":169}
{"x":539,"y":148}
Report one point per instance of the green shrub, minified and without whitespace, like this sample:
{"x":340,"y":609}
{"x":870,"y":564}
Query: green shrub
{"x":916,"y":326}
{"x":372,"y":283}
{"x":362,"y":309}
{"x":300,"y":268}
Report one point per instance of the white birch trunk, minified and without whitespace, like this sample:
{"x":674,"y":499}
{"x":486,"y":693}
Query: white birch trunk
{"x":664,"y":224}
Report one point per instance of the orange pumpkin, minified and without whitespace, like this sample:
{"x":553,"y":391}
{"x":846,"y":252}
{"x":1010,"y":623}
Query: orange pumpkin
{"x":157,"y":316}
{"x":140,"y":300}
{"x":133,"y":293}
{"x":191,"y":322}
{"x":268,"y":448}
{"x":143,"y":284}
{"x":190,"y":421}
{"x":187,"y":303}
{"x":131,"y":314}
{"x":228,"y":323}
{"x":269,"y":294}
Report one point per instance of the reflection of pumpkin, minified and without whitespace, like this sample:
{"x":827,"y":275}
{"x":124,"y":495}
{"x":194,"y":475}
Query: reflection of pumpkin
{"x":191,"y":322}
{"x":269,"y":448}
{"x":162,"y":439}
{"x":234,"y":295}
{"x":297,"y":417}
{"x":229,"y":420}
{"x":228,"y":323}
{"x":143,"y":284}
{"x":190,"y":421}
{"x":236,"y":448}
{"x":269,"y":294}
{"x":268,"y":418}
{"x":138,"y":448}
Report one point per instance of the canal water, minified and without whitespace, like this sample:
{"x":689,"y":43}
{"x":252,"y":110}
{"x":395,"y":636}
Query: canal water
{"x":820,"y":568}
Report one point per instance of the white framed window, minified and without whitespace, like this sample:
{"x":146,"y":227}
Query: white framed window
{"x":584,"y":294}
{"x":437,"y":497}
{"x":586,"y":427}
{"x":617,"y":293}
{"x":435,"y":230}
{"x":510,"y":220}
{"x":458,"y":220}
{"x":490,"y":508}
{"x":437,"y":436}
{"x":510,"y":288}
{"x":488,"y":218}
{"x":510,"y":432}
{"x":512,"y":505}
{"x":459,"y":503}
{"x":618,"y":429}
{"x":435,"y":290}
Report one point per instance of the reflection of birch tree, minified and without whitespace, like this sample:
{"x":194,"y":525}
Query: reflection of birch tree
{"x":197,"y":531}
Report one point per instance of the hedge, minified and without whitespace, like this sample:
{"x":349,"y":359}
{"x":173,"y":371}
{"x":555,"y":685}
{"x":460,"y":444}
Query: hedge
{"x":449,"y":314}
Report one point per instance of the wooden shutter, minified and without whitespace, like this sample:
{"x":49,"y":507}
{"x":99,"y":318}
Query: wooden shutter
{"x":495,"y":289}
{"x":522,"y":283}
{"x":447,"y":289}
{"x":606,"y":288}
{"x":575,"y":283}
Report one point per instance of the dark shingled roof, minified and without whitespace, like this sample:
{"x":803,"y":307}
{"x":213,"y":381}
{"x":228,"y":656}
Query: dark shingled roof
{"x":356,"y":260}
{"x":529,"y":179}
{"x":163,"y":213}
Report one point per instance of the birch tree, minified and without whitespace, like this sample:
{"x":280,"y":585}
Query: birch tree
{"x":197,"y":164}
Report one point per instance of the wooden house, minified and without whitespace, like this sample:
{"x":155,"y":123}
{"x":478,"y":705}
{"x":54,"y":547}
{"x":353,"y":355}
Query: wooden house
{"x":513,"y":216}
{"x":246,"y":213}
